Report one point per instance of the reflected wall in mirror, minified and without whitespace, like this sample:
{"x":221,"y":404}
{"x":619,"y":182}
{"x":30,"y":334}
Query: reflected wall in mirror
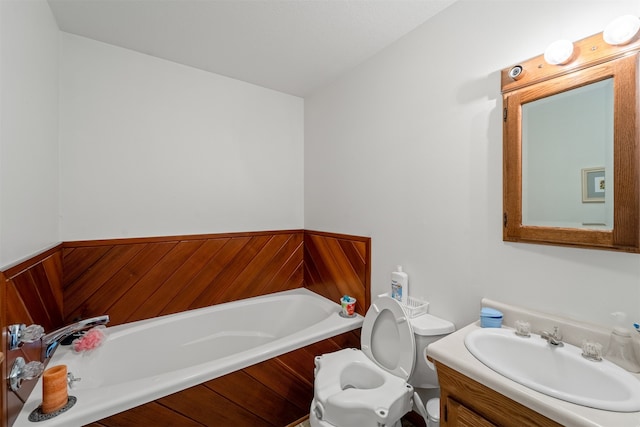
{"x":562,"y":136}
{"x":571,"y":159}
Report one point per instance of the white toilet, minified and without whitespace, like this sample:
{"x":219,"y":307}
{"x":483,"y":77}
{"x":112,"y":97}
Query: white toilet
{"x":374,"y":386}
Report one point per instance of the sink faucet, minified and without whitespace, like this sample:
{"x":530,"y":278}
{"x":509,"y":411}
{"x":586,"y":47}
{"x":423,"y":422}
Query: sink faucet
{"x":51,"y":340}
{"x":554,"y":338}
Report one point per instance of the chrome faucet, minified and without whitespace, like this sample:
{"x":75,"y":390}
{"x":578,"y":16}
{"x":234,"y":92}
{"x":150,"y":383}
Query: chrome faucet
{"x":554,"y":338}
{"x":51,"y":340}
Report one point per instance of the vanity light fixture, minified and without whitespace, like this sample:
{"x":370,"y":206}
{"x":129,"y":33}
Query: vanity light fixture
{"x":621,"y":30}
{"x":559,"y":52}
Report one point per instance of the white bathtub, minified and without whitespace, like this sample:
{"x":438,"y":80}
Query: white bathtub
{"x":143,"y":361}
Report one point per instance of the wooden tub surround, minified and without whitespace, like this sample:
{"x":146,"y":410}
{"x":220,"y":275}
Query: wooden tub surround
{"x":141,"y":278}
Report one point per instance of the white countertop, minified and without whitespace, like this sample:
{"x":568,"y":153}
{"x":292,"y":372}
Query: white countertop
{"x":452,"y":352}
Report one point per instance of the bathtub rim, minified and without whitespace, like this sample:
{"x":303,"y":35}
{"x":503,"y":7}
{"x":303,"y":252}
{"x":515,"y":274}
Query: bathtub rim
{"x":92,"y":406}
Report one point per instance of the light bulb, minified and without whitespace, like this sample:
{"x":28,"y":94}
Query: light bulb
{"x":621,"y":30}
{"x":559,"y":52}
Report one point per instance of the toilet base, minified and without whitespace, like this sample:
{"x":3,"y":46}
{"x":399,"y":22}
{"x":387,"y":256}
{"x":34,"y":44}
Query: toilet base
{"x":315,"y":422}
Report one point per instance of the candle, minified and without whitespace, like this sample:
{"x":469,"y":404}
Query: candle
{"x":54,"y":389}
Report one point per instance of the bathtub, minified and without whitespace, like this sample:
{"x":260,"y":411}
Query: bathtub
{"x":146,"y":360}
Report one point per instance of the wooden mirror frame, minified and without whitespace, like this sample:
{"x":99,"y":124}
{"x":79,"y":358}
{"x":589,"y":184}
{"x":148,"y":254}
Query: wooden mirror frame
{"x":593,"y":60}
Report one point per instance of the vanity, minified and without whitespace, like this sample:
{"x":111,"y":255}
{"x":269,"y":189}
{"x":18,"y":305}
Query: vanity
{"x":465,"y":401}
{"x":472,"y":394}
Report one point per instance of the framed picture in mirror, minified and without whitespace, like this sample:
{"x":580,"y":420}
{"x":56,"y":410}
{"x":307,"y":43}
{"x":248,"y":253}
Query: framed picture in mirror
{"x":593,"y":185}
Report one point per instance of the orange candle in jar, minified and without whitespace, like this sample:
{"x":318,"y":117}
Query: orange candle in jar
{"x":54,"y":389}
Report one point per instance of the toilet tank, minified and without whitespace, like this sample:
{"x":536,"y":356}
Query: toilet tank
{"x":427,"y":329}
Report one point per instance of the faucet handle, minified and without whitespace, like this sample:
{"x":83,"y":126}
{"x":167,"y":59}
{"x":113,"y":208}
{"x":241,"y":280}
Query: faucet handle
{"x":31,"y":333}
{"x":20,"y":333}
{"x":24,"y":371}
{"x":523,"y":328}
{"x":592,"y":350}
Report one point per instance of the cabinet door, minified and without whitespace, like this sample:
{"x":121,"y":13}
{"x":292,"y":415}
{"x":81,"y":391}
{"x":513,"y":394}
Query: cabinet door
{"x":460,"y":416}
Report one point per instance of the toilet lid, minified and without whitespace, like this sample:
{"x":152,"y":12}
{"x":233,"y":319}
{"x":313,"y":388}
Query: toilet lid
{"x":387,"y":337}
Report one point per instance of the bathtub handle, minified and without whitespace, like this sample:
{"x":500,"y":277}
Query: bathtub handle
{"x":71,"y":379}
{"x":21,"y":333}
{"x":20,"y":371}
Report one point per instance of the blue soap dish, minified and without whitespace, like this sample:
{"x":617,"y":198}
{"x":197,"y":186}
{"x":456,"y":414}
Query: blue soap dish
{"x":490,"y":318}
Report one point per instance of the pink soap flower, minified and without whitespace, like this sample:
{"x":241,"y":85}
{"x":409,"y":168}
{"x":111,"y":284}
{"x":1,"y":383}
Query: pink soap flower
{"x":91,"y":340}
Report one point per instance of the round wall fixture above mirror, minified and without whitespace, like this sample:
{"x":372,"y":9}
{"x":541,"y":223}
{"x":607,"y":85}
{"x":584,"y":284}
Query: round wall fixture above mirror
{"x":559,"y":52}
{"x":621,"y":30}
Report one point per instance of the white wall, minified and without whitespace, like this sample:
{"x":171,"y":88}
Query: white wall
{"x":149,"y":147}
{"x":28,"y":129}
{"x":407,"y":149}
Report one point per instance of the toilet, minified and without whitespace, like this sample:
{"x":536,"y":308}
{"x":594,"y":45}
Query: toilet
{"x":374,"y":386}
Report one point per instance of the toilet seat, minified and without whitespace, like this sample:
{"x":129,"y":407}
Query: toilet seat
{"x":387,"y":337}
{"x":350,"y":390}
{"x":368,"y":387}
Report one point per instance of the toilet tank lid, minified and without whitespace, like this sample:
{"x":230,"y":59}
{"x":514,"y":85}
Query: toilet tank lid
{"x":427,"y":325}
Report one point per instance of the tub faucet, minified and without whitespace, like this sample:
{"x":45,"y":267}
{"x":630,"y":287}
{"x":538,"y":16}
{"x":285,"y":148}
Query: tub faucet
{"x":51,"y":340}
{"x":554,"y":338}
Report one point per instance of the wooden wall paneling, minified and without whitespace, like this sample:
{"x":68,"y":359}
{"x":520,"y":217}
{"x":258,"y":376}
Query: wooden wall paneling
{"x":133,"y":301}
{"x":191,"y":285}
{"x":38,"y":300}
{"x":121,"y":281}
{"x":35,"y":293}
{"x":185,"y":287}
{"x":349,"y":340}
{"x":79,"y":292}
{"x":150,"y":414}
{"x":243,"y":252}
{"x":264,"y":403}
{"x":256,"y":278}
{"x":14,"y":406}
{"x":284,"y":381}
{"x":211,"y":409}
{"x":16,"y":309}
{"x":338,"y":264}
{"x":137,"y":279}
{"x":31,"y":294}
{"x":257,"y":270}
{"x":77,"y":260}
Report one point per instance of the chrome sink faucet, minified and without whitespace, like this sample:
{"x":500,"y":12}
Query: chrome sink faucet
{"x":51,"y":340}
{"x":554,"y":338}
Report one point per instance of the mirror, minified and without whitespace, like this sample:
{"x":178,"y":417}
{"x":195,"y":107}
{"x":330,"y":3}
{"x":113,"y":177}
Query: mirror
{"x":571,"y":159}
{"x":567,"y":145}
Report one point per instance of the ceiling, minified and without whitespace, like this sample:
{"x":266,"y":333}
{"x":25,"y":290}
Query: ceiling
{"x":292,"y":46}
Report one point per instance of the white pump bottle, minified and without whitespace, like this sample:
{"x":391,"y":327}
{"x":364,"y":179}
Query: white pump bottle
{"x":400,"y":285}
{"x":620,"y":350}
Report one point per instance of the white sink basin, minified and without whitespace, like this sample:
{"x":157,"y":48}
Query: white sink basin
{"x":560,"y":372}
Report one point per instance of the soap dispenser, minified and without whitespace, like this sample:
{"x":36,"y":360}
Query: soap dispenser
{"x":620,"y":349}
{"x":400,"y":285}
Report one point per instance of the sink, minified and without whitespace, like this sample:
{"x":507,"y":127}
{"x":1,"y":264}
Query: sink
{"x":560,"y":372}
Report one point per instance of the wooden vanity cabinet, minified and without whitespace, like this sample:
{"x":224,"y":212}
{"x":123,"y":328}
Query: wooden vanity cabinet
{"x":467,"y":403}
